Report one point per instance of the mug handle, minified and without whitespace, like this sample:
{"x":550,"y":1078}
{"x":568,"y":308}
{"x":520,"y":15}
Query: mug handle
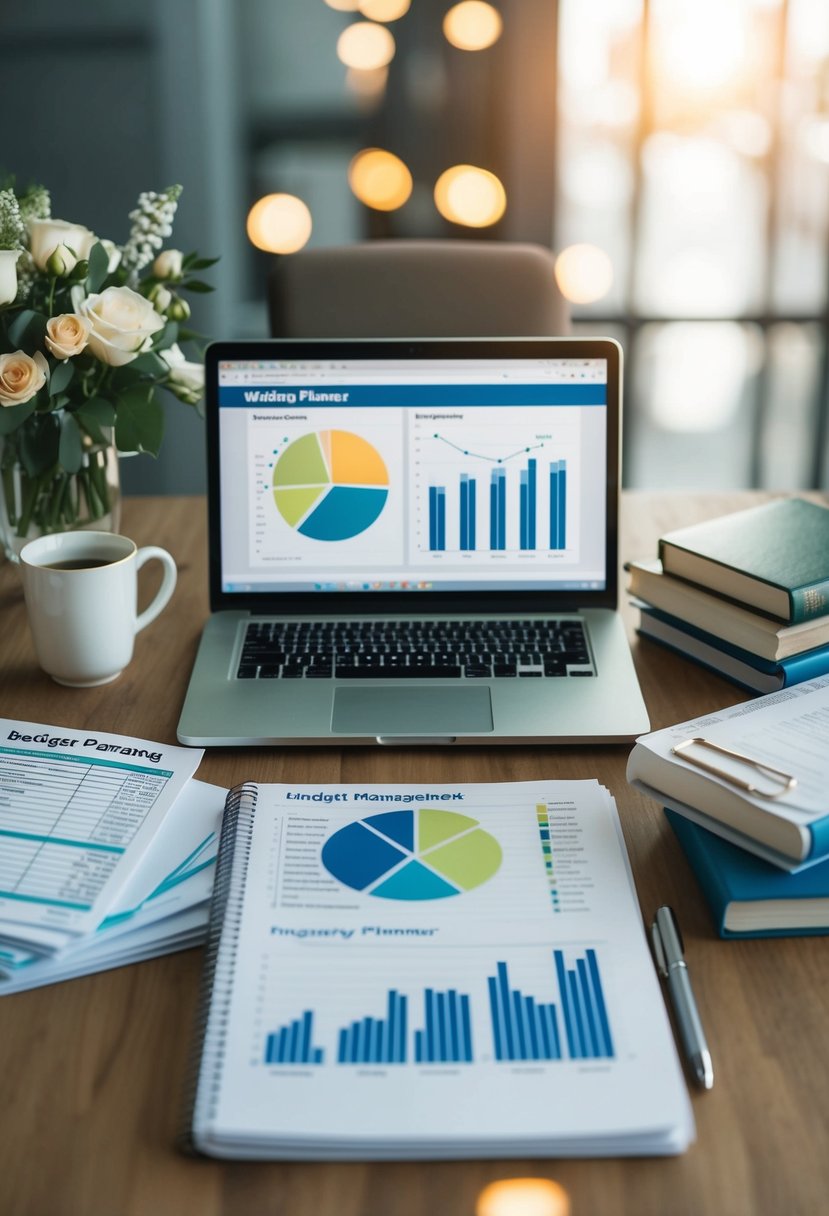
{"x":168,"y":583}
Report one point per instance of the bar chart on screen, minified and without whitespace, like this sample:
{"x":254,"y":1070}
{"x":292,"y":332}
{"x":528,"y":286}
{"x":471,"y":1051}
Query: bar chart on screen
{"x":486,"y":489}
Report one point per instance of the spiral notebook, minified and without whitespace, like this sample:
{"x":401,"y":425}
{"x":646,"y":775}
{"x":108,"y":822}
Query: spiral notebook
{"x":427,"y":972}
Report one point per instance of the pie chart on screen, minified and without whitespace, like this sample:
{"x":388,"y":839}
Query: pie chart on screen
{"x":330,"y":485}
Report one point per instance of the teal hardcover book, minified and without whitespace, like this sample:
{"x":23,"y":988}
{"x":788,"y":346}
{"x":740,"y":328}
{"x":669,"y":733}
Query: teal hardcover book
{"x":747,"y":896}
{"x":732,"y":662}
{"x":774,"y":558}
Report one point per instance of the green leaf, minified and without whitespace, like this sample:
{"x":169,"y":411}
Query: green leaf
{"x":139,"y":424}
{"x":13,"y":416}
{"x":195,"y":285}
{"x":60,"y":378}
{"x":70,"y":451}
{"x":98,"y":267}
{"x":39,"y":443}
{"x":28,"y":331}
{"x":94,"y":415}
{"x":165,"y":337}
{"x":150,"y":364}
{"x":202,"y":263}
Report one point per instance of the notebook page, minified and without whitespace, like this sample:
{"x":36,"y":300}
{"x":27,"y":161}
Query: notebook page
{"x":423,"y":971}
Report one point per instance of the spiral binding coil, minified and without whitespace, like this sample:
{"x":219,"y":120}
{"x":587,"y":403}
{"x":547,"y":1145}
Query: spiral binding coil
{"x":220,"y":956}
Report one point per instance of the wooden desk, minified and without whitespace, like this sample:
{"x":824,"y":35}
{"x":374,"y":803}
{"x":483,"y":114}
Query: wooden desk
{"x":92,"y":1070}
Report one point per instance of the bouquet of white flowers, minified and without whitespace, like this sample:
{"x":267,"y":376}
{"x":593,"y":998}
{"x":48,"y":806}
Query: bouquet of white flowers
{"x":89,"y":332}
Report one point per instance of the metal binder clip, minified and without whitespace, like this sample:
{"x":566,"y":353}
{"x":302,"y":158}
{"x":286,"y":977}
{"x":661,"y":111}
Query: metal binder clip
{"x":787,"y":782}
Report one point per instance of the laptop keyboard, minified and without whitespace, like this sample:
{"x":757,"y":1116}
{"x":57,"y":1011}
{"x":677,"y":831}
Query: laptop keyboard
{"x":371,"y":650}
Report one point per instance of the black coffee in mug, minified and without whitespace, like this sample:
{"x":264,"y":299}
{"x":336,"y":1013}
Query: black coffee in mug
{"x":80,"y":563}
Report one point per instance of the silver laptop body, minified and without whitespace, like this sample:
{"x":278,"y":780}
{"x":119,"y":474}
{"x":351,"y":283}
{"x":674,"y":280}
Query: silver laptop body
{"x":413,"y":542}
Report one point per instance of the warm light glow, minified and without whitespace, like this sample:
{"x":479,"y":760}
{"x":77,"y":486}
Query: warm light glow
{"x":344,"y":6}
{"x":369,"y":86}
{"x":384,"y":10}
{"x":469,"y":196}
{"x":472,"y":25}
{"x":584,"y":273}
{"x":379,"y":179}
{"x":279,"y":223}
{"x":523,"y":1197}
{"x":702,"y":46}
{"x":365,"y":46}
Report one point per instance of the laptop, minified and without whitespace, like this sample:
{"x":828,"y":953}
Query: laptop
{"x":413,"y":542}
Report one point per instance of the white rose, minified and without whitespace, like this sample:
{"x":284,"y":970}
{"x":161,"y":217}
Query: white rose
{"x":186,"y":379}
{"x":168,"y":265}
{"x":121,"y":324}
{"x":46,"y":235}
{"x":8,"y":275}
{"x":21,"y":376}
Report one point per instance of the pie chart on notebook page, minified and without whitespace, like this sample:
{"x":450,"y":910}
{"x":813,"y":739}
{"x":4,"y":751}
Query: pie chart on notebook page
{"x":330,"y":485}
{"x":420,"y":854}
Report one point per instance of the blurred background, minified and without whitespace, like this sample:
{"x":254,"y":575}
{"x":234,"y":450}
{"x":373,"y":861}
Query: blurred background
{"x":673,"y":153}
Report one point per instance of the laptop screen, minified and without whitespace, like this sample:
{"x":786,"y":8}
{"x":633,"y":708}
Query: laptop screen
{"x":405,"y":475}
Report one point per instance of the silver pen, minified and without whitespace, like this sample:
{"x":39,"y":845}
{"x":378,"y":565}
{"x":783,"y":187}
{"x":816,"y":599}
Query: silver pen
{"x":670,"y":961}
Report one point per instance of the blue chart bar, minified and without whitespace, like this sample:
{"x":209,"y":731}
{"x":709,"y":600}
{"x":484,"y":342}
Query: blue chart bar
{"x":437,"y":518}
{"x":376,"y":1040}
{"x":528,"y":503}
{"x":522,"y":1028}
{"x":292,"y":1044}
{"x":446,"y":1037}
{"x":467,"y":505}
{"x":583,"y":1006}
{"x":498,"y":510}
{"x":558,"y":504}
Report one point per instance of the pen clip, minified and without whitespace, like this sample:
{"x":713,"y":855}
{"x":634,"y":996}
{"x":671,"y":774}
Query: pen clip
{"x":659,"y":951}
{"x":786,"y":781}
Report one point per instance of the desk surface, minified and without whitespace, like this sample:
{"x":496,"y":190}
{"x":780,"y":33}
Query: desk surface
{"x":92,"y":1069}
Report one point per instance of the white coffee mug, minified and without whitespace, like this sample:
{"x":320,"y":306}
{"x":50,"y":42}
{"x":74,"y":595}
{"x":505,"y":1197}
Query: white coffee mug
{"x":81,"y":592}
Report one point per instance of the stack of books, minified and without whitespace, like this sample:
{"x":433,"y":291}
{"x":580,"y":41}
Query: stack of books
{"x":746,"y":595}
{"x":746,"y":791}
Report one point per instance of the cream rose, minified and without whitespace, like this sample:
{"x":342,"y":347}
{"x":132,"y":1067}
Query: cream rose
{"x":66,"y":335}
{"x":121,"y":324}
{"x":21,"y":376}
{"x":46,"y":235}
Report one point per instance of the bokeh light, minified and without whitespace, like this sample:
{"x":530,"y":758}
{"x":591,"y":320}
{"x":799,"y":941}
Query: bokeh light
{"x":344,"y":6}
{"x":472,"y":25}
{"x":380,"y":179}
{"x":470,"y":196}
{"x":584,"y":273}
{"x":523,"y":1197}
{"x":365,"y":46}
{"x":369,"y":87}
{"x":384,"y":10}
{"x":279,"y":223}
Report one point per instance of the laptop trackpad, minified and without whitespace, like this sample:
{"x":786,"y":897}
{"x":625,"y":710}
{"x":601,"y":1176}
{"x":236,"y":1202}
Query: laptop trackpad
{"x":411,"y":711}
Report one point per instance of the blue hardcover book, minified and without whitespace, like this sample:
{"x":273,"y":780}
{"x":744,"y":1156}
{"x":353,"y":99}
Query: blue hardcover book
{"x":740,"y":666}
{"x":747,"y":896}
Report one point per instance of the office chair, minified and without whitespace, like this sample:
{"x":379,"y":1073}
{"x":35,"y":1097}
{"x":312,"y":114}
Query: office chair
{"x":417,"y":289}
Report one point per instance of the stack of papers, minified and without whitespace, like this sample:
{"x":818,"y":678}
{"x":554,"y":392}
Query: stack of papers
{"x":108,"y":851}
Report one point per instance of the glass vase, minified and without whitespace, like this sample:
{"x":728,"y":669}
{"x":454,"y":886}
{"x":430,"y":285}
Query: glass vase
{"x":57,"y":501}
